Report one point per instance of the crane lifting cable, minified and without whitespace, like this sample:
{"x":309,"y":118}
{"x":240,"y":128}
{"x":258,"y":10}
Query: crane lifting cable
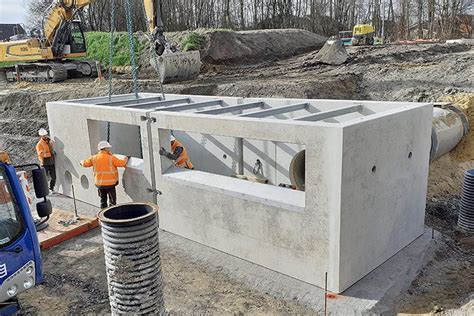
{"x":131,"y":46}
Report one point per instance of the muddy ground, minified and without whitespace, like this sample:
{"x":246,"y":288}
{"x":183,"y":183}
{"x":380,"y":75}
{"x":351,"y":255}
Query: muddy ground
{"x":391,"y":73}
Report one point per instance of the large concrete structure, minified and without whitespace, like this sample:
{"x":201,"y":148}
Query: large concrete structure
{"x":364,"y":173}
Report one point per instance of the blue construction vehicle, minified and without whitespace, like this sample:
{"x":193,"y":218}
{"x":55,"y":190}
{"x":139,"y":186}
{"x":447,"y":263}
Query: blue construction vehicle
{"x":20,"y":257}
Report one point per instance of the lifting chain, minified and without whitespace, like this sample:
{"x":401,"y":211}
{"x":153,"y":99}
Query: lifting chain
{"x":111,"y":55}
{"x":131,"y":41}
{"x":133,"y":62}
{"x":131,"y":45}
{"x":111,"y":45}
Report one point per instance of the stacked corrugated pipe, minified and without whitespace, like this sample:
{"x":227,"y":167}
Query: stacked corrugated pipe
{"x":466,"y":214}
{"x":132,"y":258}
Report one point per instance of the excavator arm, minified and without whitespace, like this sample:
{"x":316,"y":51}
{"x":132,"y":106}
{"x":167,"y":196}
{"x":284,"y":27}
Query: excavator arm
{"x":155,"y":25}
{"x":60,"y":12}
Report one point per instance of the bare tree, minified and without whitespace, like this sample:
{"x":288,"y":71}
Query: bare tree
{"x":441,"y":18}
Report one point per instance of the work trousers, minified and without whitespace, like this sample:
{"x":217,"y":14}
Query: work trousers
{"x":51,"y":172}
{"x":110,"y":193}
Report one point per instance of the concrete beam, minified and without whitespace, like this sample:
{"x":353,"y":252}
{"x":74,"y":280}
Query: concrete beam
{"x":158,"y":104}
{"x":191,"y":106}
{"x":328,"y":114}
{"x":126,"y":102}
{"x":278,"y":110}
{"x":233,"y":108}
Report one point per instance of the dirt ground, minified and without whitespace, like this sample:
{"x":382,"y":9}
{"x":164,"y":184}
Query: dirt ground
{"x":75,"y":283}
{"x":391,"y":73}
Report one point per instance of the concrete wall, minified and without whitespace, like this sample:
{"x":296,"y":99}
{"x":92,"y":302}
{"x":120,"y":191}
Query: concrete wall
{"x":348,"y":220}
{"x":384,"y":187}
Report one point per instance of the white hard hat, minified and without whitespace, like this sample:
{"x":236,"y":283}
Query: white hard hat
{"x":42,"y":132}
{"x":103,"y":144}
{"x":172,"y":138}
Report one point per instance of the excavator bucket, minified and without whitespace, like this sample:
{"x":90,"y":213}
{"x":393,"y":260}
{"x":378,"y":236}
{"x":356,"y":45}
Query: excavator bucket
{"x":178,"y":66}
{"x":332,"y":53}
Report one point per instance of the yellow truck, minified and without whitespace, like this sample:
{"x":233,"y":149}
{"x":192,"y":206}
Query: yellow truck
{"x":363,"y":34}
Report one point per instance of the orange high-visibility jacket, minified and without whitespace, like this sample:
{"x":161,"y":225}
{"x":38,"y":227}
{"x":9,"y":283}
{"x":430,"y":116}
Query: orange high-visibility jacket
{"x":183,"y":160}
{"x":43,"y":150}
{"x":105,"y":166}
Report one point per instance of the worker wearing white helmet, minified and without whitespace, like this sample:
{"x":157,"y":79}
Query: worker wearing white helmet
{"x":106,"y":175}
{"x":178,"y":154}
{"x":44,"y":149}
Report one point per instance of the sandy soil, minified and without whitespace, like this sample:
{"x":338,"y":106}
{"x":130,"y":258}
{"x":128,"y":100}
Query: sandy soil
{"x":75,"y":283}
{"x":391,"y":73}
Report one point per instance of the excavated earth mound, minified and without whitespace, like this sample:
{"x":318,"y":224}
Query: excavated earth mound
{"x":222,"y":47}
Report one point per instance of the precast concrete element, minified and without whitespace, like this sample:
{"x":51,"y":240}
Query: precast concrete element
{"x":132,"y":259}
{"x":449,"y":126}
{"x":364,"y":172}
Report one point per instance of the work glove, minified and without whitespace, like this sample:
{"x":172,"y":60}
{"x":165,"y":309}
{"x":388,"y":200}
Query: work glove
{"x":163,"y":151}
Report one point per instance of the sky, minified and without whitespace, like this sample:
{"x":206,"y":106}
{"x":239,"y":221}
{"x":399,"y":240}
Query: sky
{"x":13,"y":11}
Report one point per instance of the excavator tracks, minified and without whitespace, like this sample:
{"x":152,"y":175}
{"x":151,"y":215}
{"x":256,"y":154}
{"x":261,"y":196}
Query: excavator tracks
{"x":36,"y":72}
{"x":49,"y":71}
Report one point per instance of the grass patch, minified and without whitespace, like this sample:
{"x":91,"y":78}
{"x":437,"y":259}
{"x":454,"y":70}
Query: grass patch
{"x":98,"y":48}
{"x":192,"y":41}
{"x":8,"y":63}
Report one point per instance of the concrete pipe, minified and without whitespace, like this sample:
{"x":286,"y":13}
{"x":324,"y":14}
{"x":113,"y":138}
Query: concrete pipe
{"x":132,"y":259}
{"x":297,"y":170}
{"x":449,"y":126}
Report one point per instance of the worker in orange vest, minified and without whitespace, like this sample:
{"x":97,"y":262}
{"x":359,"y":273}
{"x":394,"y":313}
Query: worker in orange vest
{"x":106,"y":176}
{"x":179,"y":154}
{"x":44,"y":149}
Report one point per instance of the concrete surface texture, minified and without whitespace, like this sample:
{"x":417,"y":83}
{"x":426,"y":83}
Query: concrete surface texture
{"x":366,"y":168}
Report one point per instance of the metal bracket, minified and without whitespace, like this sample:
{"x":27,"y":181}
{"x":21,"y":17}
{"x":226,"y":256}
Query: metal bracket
{"x":149,"y":119}
{"x":158,"y":192}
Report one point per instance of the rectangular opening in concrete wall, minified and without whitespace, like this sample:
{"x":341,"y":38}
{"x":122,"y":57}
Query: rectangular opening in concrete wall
{"x":124,"y":138}
{"x":267,"y":169}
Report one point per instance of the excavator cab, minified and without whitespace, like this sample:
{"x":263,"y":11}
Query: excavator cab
{"x":69,"y":41}
{"x":363,"y":34}
{"x":77,"y":41}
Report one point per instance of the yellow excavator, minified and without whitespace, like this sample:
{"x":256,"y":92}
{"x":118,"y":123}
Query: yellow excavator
{"x":54,"y":53}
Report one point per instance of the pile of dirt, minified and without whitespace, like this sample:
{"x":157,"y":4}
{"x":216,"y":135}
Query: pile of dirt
{"x":223,"y":47}
{"x":332,"y":53}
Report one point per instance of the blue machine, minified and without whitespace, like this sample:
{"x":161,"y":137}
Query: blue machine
{"x":20,"y":257}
